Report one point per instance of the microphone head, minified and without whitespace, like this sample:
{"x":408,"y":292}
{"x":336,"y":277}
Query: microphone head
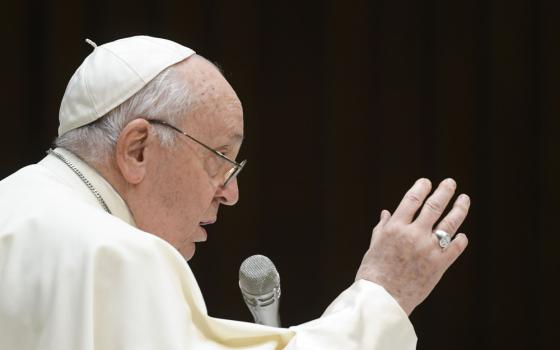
{"x":258,"y":275}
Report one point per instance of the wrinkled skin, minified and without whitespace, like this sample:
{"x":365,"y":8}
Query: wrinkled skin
{"x":173,"y":192}
{"x":404,"y":256}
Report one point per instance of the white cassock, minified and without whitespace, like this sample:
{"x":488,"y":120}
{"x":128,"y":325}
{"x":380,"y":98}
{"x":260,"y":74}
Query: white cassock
{"x":73,"y":277}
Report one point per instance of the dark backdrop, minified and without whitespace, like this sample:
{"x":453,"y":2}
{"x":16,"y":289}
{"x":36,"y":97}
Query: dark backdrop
{"x":346,"y":104}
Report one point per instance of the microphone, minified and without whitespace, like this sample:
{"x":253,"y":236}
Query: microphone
{"x":259,"y":282}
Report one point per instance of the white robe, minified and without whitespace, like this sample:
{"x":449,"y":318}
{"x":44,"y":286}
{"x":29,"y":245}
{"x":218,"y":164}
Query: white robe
{"x":73,"y":277}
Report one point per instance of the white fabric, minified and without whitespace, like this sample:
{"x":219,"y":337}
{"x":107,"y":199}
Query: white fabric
{"x":73,"y":277}
{"x":111,"y":74}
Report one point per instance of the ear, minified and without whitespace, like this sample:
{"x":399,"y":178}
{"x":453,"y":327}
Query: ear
{"x":131,"y":150}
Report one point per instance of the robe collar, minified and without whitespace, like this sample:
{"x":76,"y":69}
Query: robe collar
{"x":114,"y":201}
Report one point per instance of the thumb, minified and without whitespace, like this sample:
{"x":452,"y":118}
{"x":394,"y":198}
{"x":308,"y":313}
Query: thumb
{"x":383,"y":218}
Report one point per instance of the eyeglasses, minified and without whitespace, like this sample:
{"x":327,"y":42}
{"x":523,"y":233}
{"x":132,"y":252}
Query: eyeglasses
{"x":230,"y":174}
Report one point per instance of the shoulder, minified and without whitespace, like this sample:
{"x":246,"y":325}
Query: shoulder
{"x":60,"y":242}
{"x":66,"y":259}
{"x":49,"y":219}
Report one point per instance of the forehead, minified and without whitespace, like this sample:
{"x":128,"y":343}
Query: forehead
{"x":217,"y":110}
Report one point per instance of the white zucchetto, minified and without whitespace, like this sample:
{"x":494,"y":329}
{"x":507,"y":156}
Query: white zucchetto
{"x":111,"y":74}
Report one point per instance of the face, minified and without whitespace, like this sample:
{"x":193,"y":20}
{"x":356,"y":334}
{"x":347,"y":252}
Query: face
{"x":185,"y":181}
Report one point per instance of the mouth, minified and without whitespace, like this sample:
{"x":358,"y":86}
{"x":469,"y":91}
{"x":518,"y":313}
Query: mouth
{"x":204,"y":235}
{"x":208,"y":222}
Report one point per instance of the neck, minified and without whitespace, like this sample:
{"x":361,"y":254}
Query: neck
{"x":109,"y":170}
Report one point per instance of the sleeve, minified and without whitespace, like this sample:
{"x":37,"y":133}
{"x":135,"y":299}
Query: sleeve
{"x":149,"y":299}
{"x":145,"y":297}
{"x":364,"y":316}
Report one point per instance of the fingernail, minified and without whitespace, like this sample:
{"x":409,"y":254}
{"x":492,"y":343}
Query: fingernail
{"x":464,"y":197}
{"x":451,"y":182}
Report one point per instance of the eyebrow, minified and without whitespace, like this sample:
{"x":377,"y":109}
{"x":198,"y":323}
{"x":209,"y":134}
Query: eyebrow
{"x":237,"y":137}
{"x":233,"y":139}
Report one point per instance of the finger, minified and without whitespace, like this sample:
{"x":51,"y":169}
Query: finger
{"x":436,"y":203}
{"x":456,"y":248}
{"x":383,"y":218}
{"x":412,"y":201}
{"x":452,"y":221}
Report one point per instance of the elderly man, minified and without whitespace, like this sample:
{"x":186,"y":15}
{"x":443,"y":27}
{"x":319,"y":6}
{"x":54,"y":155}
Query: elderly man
{"x":94,"y":238}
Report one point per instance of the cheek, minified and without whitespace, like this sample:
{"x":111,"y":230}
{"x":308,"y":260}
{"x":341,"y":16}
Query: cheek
{"x":187,"y":198}
{"x":182,"y":195}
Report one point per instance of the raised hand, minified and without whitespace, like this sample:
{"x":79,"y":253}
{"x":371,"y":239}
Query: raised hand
{"x":404,"y":256}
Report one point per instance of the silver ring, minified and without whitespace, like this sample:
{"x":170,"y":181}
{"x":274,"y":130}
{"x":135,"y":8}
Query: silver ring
{"x":443,"y":238}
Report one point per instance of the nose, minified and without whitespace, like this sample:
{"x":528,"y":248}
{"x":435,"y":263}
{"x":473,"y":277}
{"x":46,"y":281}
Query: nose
{"x":229,"y":194}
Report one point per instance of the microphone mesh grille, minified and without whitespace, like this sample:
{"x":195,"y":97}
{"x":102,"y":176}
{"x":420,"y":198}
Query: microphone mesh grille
{"x":258,"y":275}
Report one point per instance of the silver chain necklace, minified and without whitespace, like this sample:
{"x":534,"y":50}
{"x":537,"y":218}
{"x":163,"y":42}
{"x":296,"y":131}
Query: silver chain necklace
{"x":82,"y":177}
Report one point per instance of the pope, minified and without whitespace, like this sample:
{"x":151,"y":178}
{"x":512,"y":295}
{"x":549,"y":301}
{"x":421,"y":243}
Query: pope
{"x":95,"y":238}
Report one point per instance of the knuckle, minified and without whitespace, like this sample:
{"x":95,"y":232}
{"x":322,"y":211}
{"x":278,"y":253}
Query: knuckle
{"x":434,"y":206}
{"x":408,"y":241}
{"x":392,"y":228}
{"x":413,"y":198}
{"x":399,"y":232}
{"x":454,"y":224}
{"x":451,"y":224}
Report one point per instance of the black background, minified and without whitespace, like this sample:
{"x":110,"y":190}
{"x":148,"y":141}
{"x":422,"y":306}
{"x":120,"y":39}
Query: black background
{"x":346,"y":104}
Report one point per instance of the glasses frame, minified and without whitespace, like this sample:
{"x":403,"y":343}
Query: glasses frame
{"x":230,"y":174}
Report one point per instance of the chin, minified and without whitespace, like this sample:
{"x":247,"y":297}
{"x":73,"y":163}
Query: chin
{"x":187,"y":251}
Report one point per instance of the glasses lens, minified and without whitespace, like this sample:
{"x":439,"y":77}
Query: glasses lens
{"x":228,"y":176}
{"x":233,"y":172}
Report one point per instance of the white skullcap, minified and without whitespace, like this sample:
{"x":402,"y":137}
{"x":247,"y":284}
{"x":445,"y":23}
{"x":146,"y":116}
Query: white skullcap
{"x":111,"y":74}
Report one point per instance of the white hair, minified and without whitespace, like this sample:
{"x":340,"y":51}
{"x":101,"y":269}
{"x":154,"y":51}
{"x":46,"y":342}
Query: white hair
{"x":167,"y":97}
